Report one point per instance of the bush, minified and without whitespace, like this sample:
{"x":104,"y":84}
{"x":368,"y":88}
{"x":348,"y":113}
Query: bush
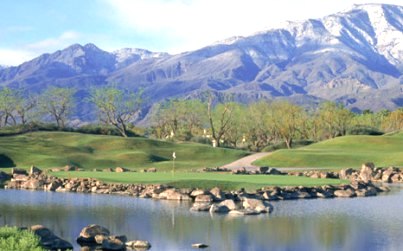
{"x":14,"y":239}
{"x":364,"y":130}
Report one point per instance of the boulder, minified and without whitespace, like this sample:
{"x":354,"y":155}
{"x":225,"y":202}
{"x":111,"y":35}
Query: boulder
{"x":257,"y":205}
{"x":197,"y":192}
{"x":33,"y":184}
{"x":172,"y":194}
{"x":49,"y":240}
{"x":199,"y":245}
{"x":218,"y":209}
{"x":218,"y":195}
{"x":88,"y":233}
{"x":20,"y":177}
{"x":138,"y":244}
{"x":121,"y":170}
{"x":273,"y":171}
{"x":345,"y":173}
{"x":15,"y":171}
{"x":53,"y":186}
{"x":344,"y":193}
{"x":68,"y":168}
{"x":367,"y":169}
{"x":230,"y":204}
{"x":152,"y":170}
{"x":199,"y":207}
{"x":387,"y":174}
{"x":111,"y":242}
{"x":34,"y":171}
{"x":263,"y":169}
{"x":204,"y":198}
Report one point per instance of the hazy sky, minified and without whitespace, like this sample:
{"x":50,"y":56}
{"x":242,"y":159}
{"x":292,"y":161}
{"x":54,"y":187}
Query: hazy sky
{"x":29,"y":28}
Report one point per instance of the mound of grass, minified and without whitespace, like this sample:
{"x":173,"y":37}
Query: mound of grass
{"x":341,"y":152}
{"x":57,"y":149}
{"x":202,"y":180}
{"x":11,"y":238}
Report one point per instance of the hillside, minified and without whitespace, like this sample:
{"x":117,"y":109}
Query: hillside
{"x":342,"y":152}
{"x":353,"y":57}
{"x":57,"y":149}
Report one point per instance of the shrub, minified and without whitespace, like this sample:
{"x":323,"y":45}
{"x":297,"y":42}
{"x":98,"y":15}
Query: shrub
{"x":14,"y":239}
{"x":364,"y":130}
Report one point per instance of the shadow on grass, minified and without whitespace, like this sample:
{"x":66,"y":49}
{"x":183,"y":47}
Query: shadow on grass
{"x":6,"y":161}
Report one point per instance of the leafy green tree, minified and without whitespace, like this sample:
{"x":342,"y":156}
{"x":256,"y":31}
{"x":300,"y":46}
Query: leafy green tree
{"x":287,"y":120}
{"x":117,"y":107}
{"x":334,"y":119}
{"x":58,"y":103}
{"x":257,"y":126}
{"x":394,"y":121}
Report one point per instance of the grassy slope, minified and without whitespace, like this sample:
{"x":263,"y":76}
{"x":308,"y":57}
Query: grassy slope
{"x":202,"y":180}
{"x":56,"y":149}
{"x":348,"y":151}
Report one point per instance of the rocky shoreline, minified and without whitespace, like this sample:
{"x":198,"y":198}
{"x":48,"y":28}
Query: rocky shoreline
{"x":365,"y":182}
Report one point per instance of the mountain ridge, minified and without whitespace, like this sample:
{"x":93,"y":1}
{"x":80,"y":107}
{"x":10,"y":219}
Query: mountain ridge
{"x":353,"y":57}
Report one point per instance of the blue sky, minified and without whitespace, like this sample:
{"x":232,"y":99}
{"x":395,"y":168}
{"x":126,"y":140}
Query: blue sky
{"x":29,"y":28}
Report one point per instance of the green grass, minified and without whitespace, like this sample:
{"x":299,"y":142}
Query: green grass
{"x":13,"y":239}
{"x":202,"y":180}
{"x":57,"y":149}
{"x":341,"y":152}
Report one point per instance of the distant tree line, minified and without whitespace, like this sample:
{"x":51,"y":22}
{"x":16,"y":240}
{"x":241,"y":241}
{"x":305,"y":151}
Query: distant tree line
{"x":218,"y":122}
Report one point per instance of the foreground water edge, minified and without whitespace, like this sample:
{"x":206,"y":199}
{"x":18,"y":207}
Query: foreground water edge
{"x":319,"y":224}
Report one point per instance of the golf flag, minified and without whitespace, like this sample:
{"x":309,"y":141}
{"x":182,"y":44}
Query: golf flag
{"x":174,"y":155}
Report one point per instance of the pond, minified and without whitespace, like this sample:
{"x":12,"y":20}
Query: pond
{"x":373,"y":223}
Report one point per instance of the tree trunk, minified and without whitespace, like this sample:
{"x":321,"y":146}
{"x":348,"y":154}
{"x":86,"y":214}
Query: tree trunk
{"x":288,"y":142}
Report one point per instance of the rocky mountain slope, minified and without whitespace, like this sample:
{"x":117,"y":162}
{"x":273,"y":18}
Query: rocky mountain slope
{"x":354,"y":57}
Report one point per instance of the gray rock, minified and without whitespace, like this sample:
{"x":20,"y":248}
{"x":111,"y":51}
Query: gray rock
{"x":344,"y":193}
{"x":218,"y":209}
{"x":34,"y":170}
{"x":230,"y":204}
{"x":200,"y":207}
{"x":218,"y":195}
{"x":257,"y":205}
{"x":199,"y":245}
{"x":367,"y":169}
{"x":138,"y":244}
{"x":204,"y":198}
{"x":49,"y":240}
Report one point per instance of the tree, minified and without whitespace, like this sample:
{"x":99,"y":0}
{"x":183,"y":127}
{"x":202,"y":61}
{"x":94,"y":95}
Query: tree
{"x":334,"y":119}
{"x":8,"y":102}
{"x":116,"y":107}
{"x":257,"y":126}
{"x":220,"y":118}
{"x":58,"y":102}
{"x":287,"y":119}
{"x":394,"y":121}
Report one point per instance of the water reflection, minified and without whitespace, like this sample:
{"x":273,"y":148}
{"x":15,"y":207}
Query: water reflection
{"x":336,"y":224}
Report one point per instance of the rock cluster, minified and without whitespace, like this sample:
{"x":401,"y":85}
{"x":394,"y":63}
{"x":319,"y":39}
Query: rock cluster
{"x":216,"y":200}
{"x":96,"y":236}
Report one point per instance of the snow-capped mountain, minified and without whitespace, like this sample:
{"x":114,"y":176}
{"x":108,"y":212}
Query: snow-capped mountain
{"x":354,"y":57}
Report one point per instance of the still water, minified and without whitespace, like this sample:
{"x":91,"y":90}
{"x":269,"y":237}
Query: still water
{"x":374,"y":223}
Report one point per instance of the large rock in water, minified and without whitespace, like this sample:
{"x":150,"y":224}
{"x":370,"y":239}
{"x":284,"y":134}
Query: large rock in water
{"x":88,"y":233}
{"x":49,"y":240}
{"x":345,"y":173}
{"x":218,"y":195}
{"x":116,"y":243}
{"x":366,"y":172}
{"x":139,"y":244}
{"x":257,"y":205}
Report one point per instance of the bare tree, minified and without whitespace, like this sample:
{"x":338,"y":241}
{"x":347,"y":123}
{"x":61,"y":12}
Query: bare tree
{"x":58,"y":103}
{"x":117,"y":107}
